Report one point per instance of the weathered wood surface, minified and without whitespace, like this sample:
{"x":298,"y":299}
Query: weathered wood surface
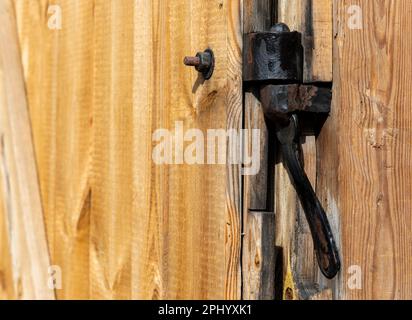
{"x":299,"y":277}
{"x":367,"y":174}
{"x":258,"y":254}
{"x":22,"y":226}
{"x":360,"y":162}
{"x":118,"y":225}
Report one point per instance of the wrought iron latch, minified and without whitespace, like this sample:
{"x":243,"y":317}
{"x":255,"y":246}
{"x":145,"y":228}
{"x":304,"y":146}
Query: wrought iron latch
{"x":273,"y":63}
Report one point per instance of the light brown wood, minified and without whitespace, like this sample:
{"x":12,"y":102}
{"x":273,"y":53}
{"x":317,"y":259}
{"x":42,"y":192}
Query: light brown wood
{"x":371,"y":130}
{"x":21,"y":195}
{"x":119,"y":225}
{"x":322,"y":53}
{"x":192,"y":249}
{"x":234,"y":120}
{"x":59,"y":71}
{"x":6,"y":269}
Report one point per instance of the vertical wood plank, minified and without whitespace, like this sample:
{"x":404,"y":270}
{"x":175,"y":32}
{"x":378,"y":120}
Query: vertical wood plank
{"x":112,"y":177}
{"x":322,"y":49}
{"x":258,"y":258}
{"x":119,"y":225}
{"x":234,"y":121}
{"x":21,"y":197}
{"x":371,"y":126}
{"x":191,"y":212}
{"x":58,"y":68}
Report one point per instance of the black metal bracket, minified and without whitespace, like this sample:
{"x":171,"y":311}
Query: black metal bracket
{"x":273,"y":64}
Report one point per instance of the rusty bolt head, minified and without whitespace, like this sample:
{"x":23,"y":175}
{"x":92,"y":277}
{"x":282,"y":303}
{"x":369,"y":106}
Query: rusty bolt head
{"x":204,"y":62}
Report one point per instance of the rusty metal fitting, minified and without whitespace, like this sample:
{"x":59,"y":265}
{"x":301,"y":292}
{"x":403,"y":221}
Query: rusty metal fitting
{"x":192,"y":61}
{"x":204,"y":62}
{"x":279,"y":28}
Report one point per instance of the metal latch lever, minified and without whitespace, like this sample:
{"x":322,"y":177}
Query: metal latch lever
{"x":325,"y":247}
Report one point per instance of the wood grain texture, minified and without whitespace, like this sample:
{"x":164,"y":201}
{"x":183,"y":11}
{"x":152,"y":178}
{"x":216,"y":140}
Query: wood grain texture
{"x":59,"y":76}
{"x":19,"y":179}
{"x":7,"y":289}
{"x":372,"y":130}
{"x":112,"y":165}
{"x":234,"y":120}
{"x":322,"y":53}
{"x":259,"y":15}
{"x":258,"y":226}
{"x":119,"y":225}
{"x":192,"y":249}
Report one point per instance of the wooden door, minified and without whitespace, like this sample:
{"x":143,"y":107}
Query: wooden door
{"x":116,"y":225}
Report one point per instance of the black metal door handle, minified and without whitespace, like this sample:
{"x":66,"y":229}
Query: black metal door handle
{"x":273,"y":64}
{"x":324,"y":243}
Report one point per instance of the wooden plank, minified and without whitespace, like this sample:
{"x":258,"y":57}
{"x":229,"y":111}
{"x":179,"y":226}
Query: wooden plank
{"x":119,"y":225}
{"x":258,"y":197}
{"x":322,"y":52}
{"x":234,"y":121}
{"x":189,"y":213}
{"x":299,"y":272}
{"x":258,"y":258}
{"x":258,"y":15}
{"x":22,"y":204}
{"x":112,"y":178}
{"x":59,"y":68}
{"x":6,"y":275}
{"x":259,"y":254}
{"x":370,"y":183}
